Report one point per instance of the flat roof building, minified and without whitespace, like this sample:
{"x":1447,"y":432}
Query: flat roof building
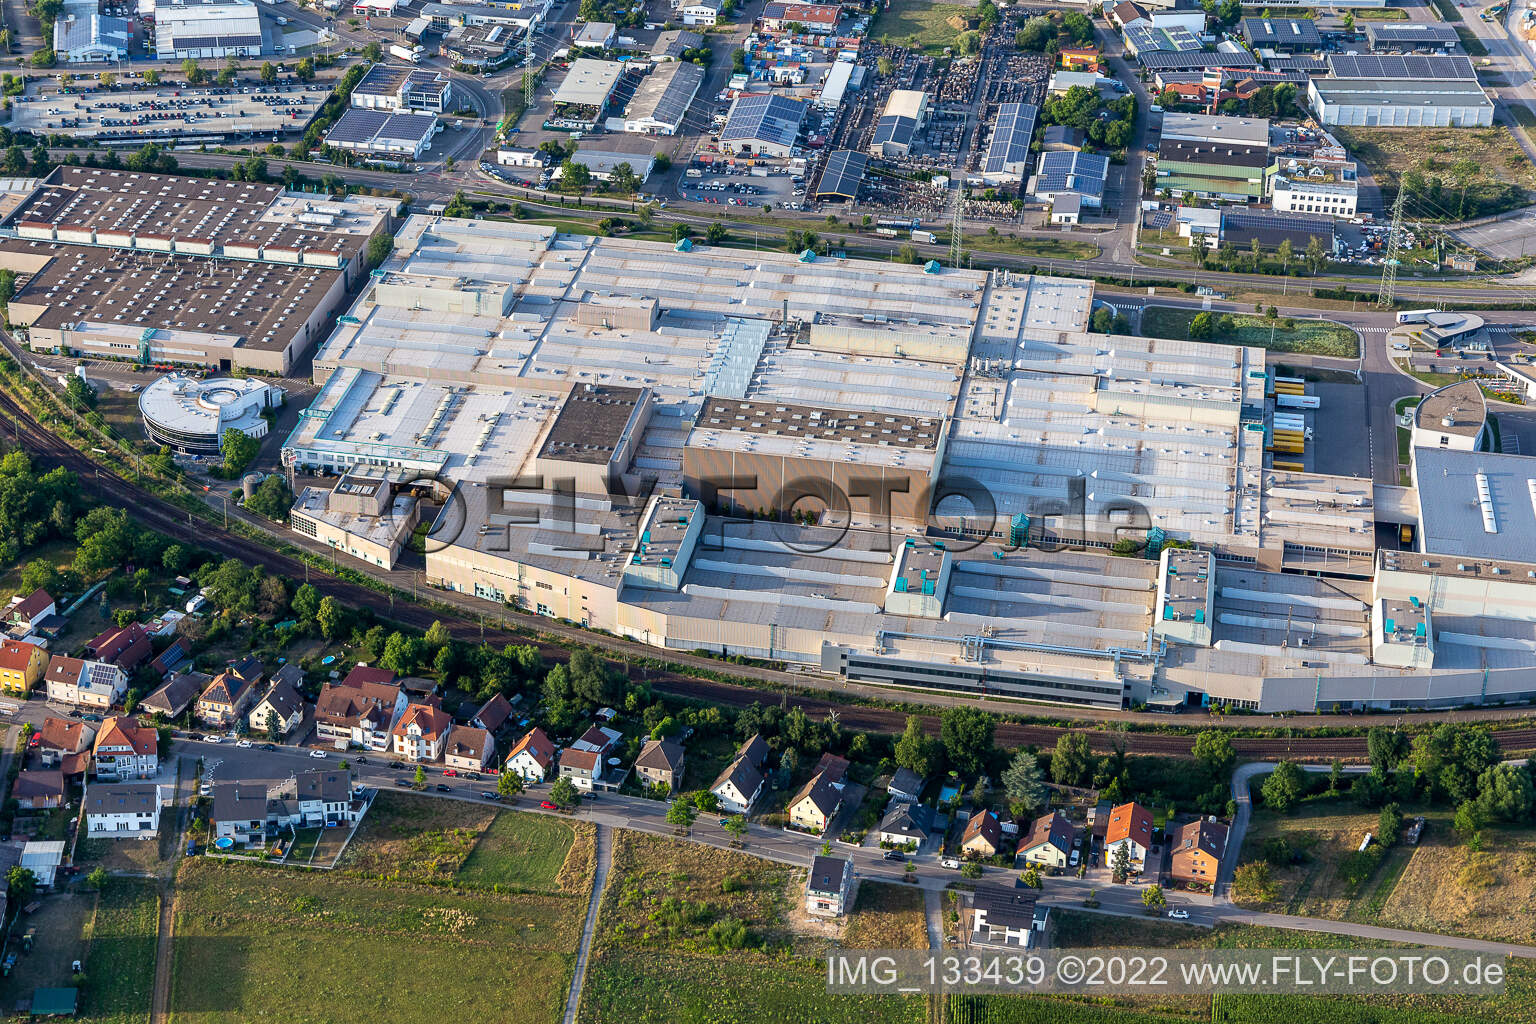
{"x":403,"y":90}
{"x":383,"y":133}
{"x":191,"y":414}
{"x":588,"y":84}
{"x":1400,"y":102}
{"x":1418,"y":36}
{"x":662,"y":99}
{"x":82,"y":37}
{"x":1008,"y":153}
{"x":159,"y":268}
{"x":205,"y":29}
{"x":1292,"y":35}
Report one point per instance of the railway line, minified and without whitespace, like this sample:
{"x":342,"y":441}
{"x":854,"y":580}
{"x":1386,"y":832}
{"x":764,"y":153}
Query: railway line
{"x":154,"y":512}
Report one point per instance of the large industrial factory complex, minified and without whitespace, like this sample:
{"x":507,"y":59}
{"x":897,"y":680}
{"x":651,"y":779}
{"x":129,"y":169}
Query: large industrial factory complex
{"x":916,"y":476}
{"x":190,"y":271}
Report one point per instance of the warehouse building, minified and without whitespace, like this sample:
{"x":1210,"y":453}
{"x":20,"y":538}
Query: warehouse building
{"x":1008,"y":152}
{"x":206,"y":29}
{"x":602,"y":156}
{"x":1400,"y":103}
{"x":404,"y":90}
{"x":1071,"y":173}
{"x":382,"y":133}
{"x":678,"y":388}
{"x":762,"y":123}
{"x":1416,"y":37}
{"x":584,"y":93}
{"x":1213,"y":156}
{"x":661,"y":101}
{"x":84,"y":36}
{"x":479,"y":47}
{"x":119,"y":264}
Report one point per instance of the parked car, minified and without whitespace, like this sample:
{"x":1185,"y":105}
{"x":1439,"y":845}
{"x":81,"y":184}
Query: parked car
{"x":245,"y":744}
{"x":548,"y":805}
{"x":895,"y":855}
{"x":1179,"y":914}
{"x":403,"y":783}
{"x":443,"y":787}
{"x":1077,"y":855}
{"x":317,"y":754}
{"x":269,"y":746}
{"x":949,"y":862}
{"x":490,"y":794}
{"x":450,"y":771}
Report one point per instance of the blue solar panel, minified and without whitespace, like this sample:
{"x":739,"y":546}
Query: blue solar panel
{"x":764,"y":118}
{"x":894,"y":129}
{"x":1011,"y":137}
{"x":1084,"y":173}
{"x":843,"y":175}
{"x":1410,"y":66}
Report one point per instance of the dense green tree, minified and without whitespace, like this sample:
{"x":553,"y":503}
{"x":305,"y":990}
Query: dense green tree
{"x":914,"y":751}
{"x":966,"y":734}
{"x":1284,"y":787}
{"x":1024,"y":782}
{"x":1072,"y":760}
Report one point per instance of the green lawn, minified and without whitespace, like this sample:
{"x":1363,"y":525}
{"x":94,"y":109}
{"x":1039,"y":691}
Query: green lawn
{"x":518,"y":853}
{"x":928,"y":23}
{"x":255,"y":943}
{"x":1380,"y":14}
{"x":1040,"y":248}
{"x":1317,"y":337}
{"x":120,"y":977}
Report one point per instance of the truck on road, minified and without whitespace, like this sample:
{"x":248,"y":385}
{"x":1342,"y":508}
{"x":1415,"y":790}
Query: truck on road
{"x":410,"y":53}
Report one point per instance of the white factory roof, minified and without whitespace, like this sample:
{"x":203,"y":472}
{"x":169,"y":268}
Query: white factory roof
{"x":589,"y":82}
{"x":1476,"y":504}
{"x":184,"y":403}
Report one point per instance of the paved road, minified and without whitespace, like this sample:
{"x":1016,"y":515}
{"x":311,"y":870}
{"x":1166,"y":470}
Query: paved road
{"x":604,"y":859}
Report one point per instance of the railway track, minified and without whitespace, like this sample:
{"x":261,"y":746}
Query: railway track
{"x":154,"y":512}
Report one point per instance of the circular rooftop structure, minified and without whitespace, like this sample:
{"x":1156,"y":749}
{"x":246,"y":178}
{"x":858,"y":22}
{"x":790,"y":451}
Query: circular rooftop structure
{"x":190,"y":414}
{"x":1454,"y":416}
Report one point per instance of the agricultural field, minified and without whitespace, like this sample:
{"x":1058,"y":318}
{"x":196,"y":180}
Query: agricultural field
{"x":689,"y":933}
{"x":112,"y":934}
{"x":1317,"y":337}
{"x":1484,"y":162}
{"x":926,"y":26}
{"x":303,"y":947}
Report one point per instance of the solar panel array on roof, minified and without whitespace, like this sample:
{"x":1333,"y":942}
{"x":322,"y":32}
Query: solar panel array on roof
{"x":1196,"y":59}
{"x":1084,"y":173}
{"x":666,"y":93}
{"x":359,"y":125}
{"x":1420,"y":34}
{"x":760,"y":117}
{"x":1420,"y":67}
{"x":897,"y":130}
{"x":1182,"y":38}
{"x":1011,"y":137}
{"x":1160,"y":220}
{"x":1276,"y":221}
{"x":1306,"y":65}
{"x":204,"y":42}
{"x":843,"y":175}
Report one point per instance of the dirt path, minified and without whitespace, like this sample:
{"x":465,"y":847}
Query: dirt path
{"x":159,"y":1011}
{"x":599,"y":879}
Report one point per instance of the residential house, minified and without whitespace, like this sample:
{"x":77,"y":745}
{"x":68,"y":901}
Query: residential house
{"x":983,"y":836}
{"x":661,"y":763}
{"x":584,"y":761}
{"x":361,"y":714}
{"x":124,"y":810}
{"x":906,"y":785}
{"x":281,"y":709}
{"x":815,"y":804}
{"x":740,"y":784}
{"x":700,"y":12}
{"x":39,"y":789}
{"x":27,"y":614}
{"x":1005,"y":918}
{"x":127,"y":647}
{"x":65,"y":744}
{"x":174,"y":655}
{"x":533,"y":756}
{"x":230,"y":693}
{"x":1049,"y":842}
{"x":323,"y":797}
{"x":90,"y":684}
{"x":1130,"y":826}
{"x":240,"y":812}
{"x":361,"y":674}
{"x":422,"y":733}
{"x":21,"y":666}
{"x":1197,"y":851}
{"x":126,"y":750}
{"x":810,"y":19}
{"x":493,"y":714}
{"x":176,"y":695}
{"x":42,"y":858}
{"x":906,"y":824}
{"x":829,"y":886}
{"x":470,"y":749}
